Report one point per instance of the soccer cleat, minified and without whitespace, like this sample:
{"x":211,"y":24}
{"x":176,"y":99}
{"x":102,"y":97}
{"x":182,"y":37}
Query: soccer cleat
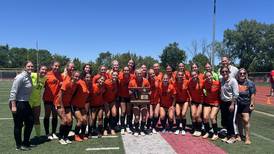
{"x":154,"y":131}
{"x":231,"y":140}
{"x":63,"y":142}
{"x":122,"y":131}
{"x":112,"y":132}
{"x":142,"y":134}
{"x":23,"y":148}
{"x":128,"y":130}
{"x":77,"y":138}
{"x":105,"y":133}
{"x":54,"y":136}
{"x":68,"y":141}
{"x":49,"y":137}
{"x":205,"y":136}
{"x":214,"y":137}
{"x":177,"y":132}
{"x":224,"y":139}
{"x":136,"y":134}
{"x":183,"y":132}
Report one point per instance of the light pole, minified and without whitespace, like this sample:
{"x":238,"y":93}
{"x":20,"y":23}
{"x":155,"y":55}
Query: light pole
{"x":213,"y":33}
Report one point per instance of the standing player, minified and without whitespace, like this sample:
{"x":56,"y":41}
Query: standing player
{"x":110,"y":98}
{"x":78,"y":102}
{"x":154,"y":106}
{"x":167,"y":102}
{"x":136,"y":86}
{"x":211,"y":105}
{"x":38,"y":83}
{"x":52,"y":86}
{"x":158,"y":74}
{"x":124,"y":99}
{"x":196,"y":94}
{"x":97,"y":105}
{"x":63,"y":106}
{"x":182,"y":99}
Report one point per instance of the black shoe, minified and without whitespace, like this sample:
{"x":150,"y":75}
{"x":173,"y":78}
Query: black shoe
{"x":23,"y":148}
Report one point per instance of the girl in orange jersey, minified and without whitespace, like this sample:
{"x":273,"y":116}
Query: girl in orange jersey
{"x":110,"y":98}
{"x":68,"y":71}
{"x":144,"y":71}
{"x":97,"y":105}
{"x":167,"y":102}
{"x":181,"y":68}
{"x":131,"y":66}
{"x":195,"y":67}
{"x":115,"y":68}
{"x":124,"y":99}
{"x":139,"y":83}
{"x":63,"y":106}
{"x":182,"y":101}
{"x":78,"y":102}
{"x":211,"y":105}
{"x":196,"y":94}
{"x":103,"y":72}
{"x":154,"y":106}
{"x":169,"y":73}
{"x":52,"y":87}
{"x":158,"y":74}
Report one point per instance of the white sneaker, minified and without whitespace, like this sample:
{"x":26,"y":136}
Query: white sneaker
{"x":197,"y":133}
{"x":63,"y":142}
{"x":143,"y":134}
{"x":164,"y":131}
{"x":177,"y":132}
{"x":214,"y":137}
{"x":136,"y":134}
{"x":71,"y":133}
{"x":205,"y":136}
{"x":183,"y":132}
{"x":123,"y":131}
{"x":50,"y":137}
{"x":68,"y":141}
{"x":128,"y":130}
{"x":154,"y":131}
{"x":54,"y":136}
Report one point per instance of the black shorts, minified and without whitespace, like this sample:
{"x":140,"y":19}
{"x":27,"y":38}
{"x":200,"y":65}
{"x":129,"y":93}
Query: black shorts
{"x":243,"y":108}
{"x":272,"y":85}
{"x":210,"y":105}
{"x":75,"y":108}
{"x":124,"y":99}
{"x":195,"y":103}
{"x":180,"y":102}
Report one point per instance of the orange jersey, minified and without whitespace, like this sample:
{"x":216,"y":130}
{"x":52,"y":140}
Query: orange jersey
{"x":133,"y":83}
{"x":167,"y":95}
{"x":159,"y":76}
{"x":182,"y":94}
{"x":212,"y":90}
{"x":196,"y":90}
{"x":97,"y":95}
{"x":123,"y":85}
{"x":68,"y":89}
{"x":97,"y":76}
{"x":81,"y":95}
{"x":154,"y":88}
{"x":111,"y":92}
{"x":187,"y":74}
{"x":52,"y":86}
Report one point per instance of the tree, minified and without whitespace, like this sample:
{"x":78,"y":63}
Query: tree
{"x":4,"y":57}
{"x":252,"y":43}
{"x":77,"y":64}
{"x":172,"y":55}
{"x":104,"y":59}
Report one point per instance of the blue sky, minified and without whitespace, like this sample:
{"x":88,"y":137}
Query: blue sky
{"x":85,"y":28}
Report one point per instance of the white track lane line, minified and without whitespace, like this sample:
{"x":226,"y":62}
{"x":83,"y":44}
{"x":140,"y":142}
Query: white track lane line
{"x":103,"y":148}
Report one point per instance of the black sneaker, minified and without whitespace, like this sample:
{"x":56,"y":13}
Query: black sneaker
{"x":23,"y":148}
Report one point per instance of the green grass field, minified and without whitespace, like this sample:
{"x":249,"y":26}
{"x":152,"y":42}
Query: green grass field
{"x":262,"y":127}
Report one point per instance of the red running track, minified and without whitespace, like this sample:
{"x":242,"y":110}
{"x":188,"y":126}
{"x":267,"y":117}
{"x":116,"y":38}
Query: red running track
{"x":191,"y":145}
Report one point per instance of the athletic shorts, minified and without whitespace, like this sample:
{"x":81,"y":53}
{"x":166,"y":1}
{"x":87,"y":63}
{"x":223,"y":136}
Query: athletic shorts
{"x":179,"y":102}
{"x":243,"y":108}
{"x":124,"y":99}
{"x":34,"y":103}
{"x":195,"y":103}
{"x":75,"y":108}
{"x":272,"y":85}
{"x":210,"y":105}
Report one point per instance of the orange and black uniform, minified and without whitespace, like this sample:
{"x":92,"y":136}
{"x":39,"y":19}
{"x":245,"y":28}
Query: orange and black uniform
{"x":50,"y":95}
{"x":212,"y":98}
{"x":81,"y":95}
{"x":97,"y":96}
{"x":68,"y":89}
{"x":123,"y":88}
{"x":182,"y":94}
{"x":111,"y":92}
{"x":154,"y":100}
{"x":196,"y":91}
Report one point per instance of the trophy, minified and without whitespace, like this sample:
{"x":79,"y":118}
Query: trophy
{"x":140,"y":95}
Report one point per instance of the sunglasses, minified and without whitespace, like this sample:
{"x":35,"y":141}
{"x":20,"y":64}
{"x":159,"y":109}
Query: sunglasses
{"x":242,"y":73}
{"x":224,"y":71}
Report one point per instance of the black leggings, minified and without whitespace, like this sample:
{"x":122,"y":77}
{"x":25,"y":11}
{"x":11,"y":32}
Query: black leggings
{"x":22,"y":116}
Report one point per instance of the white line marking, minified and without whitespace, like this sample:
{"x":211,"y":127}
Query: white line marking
{"x":103,"y":148}
{"x":264,"y":113}
{"x":110,"y":136}
{"x":262,"y":137}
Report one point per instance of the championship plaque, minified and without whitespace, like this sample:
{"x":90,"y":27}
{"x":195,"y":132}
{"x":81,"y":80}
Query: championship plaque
{"x":140,"y":95}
